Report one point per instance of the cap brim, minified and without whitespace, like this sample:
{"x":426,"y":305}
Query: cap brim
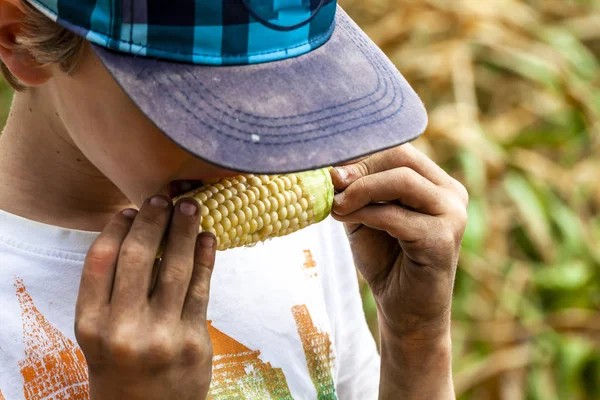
{"x":341,"y":101}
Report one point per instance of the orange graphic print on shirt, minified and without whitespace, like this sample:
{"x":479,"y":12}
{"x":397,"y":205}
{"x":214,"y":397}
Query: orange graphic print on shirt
{"x":1,"y":396}
{"x":54,"y":367}
{"x":309,"y":266}
{"x":238,"y":373}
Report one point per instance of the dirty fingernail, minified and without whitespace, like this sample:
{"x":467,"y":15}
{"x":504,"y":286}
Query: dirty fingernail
{"x":207,"y":240}
{"x":159,"y":201}
{"x":188,"y":209}
{"x":342,"y":173}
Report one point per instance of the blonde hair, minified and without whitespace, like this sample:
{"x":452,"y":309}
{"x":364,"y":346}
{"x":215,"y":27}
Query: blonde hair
{"x":47,"y":43}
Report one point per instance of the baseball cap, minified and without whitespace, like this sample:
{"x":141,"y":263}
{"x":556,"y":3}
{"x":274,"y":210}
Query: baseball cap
{"x":257,"y":86}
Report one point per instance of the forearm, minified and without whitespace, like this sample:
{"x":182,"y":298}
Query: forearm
{"x":416,"y":370}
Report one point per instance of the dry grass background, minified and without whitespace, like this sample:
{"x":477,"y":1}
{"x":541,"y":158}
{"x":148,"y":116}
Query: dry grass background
{"x":513,"y":92}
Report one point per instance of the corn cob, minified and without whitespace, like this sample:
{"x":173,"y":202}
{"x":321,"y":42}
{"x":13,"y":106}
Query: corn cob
{"x":248,"y":209}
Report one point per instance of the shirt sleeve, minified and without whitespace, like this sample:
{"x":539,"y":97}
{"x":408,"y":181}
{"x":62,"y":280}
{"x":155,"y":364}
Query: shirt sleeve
{"x":357,"y":358}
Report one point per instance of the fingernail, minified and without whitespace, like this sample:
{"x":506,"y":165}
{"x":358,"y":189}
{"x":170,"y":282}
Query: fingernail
{"x":207,"y":240}
{"x":188,"y":209}
{"x":339,"y":198}
{"x":342,"y":173}
{"x":159,"y":201}
{"x":130,"y":213}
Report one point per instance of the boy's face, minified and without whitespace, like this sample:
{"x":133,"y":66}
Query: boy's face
{"x":114,"y":135}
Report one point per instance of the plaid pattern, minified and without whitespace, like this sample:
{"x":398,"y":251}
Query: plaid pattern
{"x":214,"y":32}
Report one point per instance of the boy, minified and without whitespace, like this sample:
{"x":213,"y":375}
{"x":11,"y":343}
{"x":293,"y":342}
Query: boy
{"x":122,"y":105}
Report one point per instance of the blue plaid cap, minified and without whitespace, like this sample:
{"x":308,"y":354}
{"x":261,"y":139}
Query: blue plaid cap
{"x":262,"y":86}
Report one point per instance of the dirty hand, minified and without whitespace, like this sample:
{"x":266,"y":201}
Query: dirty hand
{"x":145,"y":336}
{"x":405,"y":218}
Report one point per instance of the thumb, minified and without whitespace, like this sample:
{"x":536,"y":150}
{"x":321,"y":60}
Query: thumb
{"x":196,"y":301}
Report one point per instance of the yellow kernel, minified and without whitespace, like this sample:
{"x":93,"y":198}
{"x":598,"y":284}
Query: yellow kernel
{"x":230,"y":206}
{"x":219,"y":186}
{"x":204,"y":211}
{"x":280,"y":199}
{"x":226,"y":193}
{"x":303,"y":203}
{"x":311,"y":214}
{"x":219,"y":198}
{"x":251,"y":196}
{"x":218,"y":229}
{"x":291,"y":211}
{"x":297,"y":208}
{"x":255,"y":191}
{"x":272,"y":186}
{"x":212,"y":204}
{"x":208,"y":222}
{"x":223,"y":210}
{"x":274,"y":204}
{"x":277,"y":226}
{"x":259,"y":224}
{"x":226,"y":222}
{"x":216,"y":215}
{"x":202,"y":197}
{"x":274,"y":216}
{"x":280,"y":184}
{"x":293,"y":197}
{"x":282,"y":212}
{"x":296,"y":189}
{"x":248,"y":213}
{"x":264,"y":192}
{"x":233,"y":219}
{"x":234,"y":181}
{"x":241,"y":216}
{"x":241,"y":179}
{"x":255,"y":181}
{"x":267,"y":230}
{"x":240,"y":187}
{"x":239,"y":230}
{"x":224,"y":238}
{"x":253,"y":225}
{"x":288,"y":197}
{"x":211,"y":230}
{"x":260,"y":206}
{"x":285,"y":224}
{"x":294,"y":222}
{"x":254,"y":210}
{"x":244,"y":240}
{"x":226,"y":183}
{"x":303,"y":217}
{"x":255,"y":237}
{"x":287,"y":184}
{"x":232,"y":234}
{"x":212,"y":189}
{"x":266,"y":219}
{"x":246,"y":227}
{"x":244,"y":199}
{"x":237,"y":202}
{"x":264,"y":179}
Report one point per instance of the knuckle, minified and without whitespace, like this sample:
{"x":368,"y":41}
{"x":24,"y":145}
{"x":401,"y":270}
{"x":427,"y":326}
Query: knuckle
{"x":161,"y":348}
{"x":101,"y":253}
{"x":198,"y":293}
{"x":133,"y":253}
{"x":86,"y":331}
{"x":176,"y":272}
{"x":121,"y":345}
{"x":153,"y":221}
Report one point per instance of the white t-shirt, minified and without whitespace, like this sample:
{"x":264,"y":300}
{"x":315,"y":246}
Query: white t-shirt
{"x":285,"y":317}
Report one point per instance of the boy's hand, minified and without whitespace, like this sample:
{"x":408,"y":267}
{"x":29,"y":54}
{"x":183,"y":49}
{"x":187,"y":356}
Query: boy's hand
{"x":405,"y":218}
{"x":146,"y":337}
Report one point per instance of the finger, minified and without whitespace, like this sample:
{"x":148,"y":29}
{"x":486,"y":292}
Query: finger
{"x":196,"y":301}
{"x":138,"y":253}
{"x":403,"y":156}
{"x":400,"y":184}
{"x":178,"y":260}
{"x":101,"y":261}
{"x":405,"y":225}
